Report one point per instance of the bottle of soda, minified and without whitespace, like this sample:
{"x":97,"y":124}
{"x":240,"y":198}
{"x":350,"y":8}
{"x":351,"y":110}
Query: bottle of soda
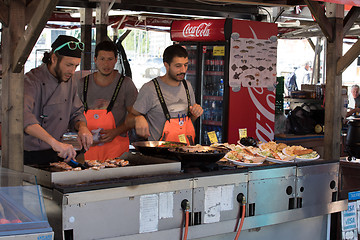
{"x":221,"y":87}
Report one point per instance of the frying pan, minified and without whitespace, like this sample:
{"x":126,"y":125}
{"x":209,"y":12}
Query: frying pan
{"x":198,"y":155}
{"x":152,"y":147}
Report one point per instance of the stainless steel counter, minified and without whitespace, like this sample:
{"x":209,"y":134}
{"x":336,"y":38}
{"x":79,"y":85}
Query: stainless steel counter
{"x":290,"y":201}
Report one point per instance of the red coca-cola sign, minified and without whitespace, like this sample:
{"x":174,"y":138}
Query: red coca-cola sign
{"x":253,"y":109}
{"x":198,"y":30}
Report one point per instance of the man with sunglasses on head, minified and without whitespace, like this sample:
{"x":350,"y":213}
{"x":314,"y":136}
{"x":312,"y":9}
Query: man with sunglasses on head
{"x":107,"y":96}
{"x":52,"y":106}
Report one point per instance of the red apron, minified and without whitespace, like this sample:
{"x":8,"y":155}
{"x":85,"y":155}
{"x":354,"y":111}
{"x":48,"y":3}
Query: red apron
{"x":101,"y":119}
{"x":176,"y":130}
{"x":179,"y":129}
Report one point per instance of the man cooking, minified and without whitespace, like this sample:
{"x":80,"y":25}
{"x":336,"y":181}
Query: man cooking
{"x":107,"y":96}
{"x":165,"y":107}
{"x":51,"y":105}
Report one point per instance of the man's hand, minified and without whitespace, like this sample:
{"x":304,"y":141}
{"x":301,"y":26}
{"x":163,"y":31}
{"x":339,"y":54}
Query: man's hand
{"x":85,"y":136}
{"x":65,"y":151}
{"x":196,"y":111}
{"x":108,"y":135}
{"x":142,"y":126}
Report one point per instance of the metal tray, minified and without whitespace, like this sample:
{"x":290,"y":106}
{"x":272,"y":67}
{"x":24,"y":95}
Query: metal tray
{"x":138,"y":165}
{"x":152,"y":147}
{"x":199,"y":155}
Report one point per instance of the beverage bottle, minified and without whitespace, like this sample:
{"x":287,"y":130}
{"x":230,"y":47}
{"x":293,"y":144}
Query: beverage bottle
{"x":221,"y":87}
{"x":221,"y":65}
{"x":207,"y":61}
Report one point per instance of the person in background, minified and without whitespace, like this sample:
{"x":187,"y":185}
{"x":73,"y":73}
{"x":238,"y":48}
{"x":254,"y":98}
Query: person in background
{"x":356,"y":98}
{"x":52,"y":106}
{"x":107,"y":97}
{"x":165,"y":107}
{"x":303,"y":75}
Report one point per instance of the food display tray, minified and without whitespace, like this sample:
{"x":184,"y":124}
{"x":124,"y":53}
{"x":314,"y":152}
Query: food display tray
{"x":139,"y":165}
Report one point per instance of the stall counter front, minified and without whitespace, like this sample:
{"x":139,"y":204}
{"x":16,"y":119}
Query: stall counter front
{"x":282,"y":201}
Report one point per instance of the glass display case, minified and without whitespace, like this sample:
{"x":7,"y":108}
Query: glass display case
{"x":22,"y":210}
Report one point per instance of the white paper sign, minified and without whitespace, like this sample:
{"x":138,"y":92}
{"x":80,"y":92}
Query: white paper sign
{"x":212,"y":205}
{"x":227,"y":197}
{"x":149,"y":213}
{"x":166,"y":205}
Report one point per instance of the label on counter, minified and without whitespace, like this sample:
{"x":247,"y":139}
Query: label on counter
{"x":349,"y":217}
{"x":242,"y":133}
{"x":212,"y":205}
{"x":149,"y":213}
{"x":166,"y":205}
{"x":212,"y":137}
{"x":227,"y":197}
{"x":182,"y":138}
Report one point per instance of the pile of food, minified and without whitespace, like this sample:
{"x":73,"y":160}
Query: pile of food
{"x":92,"y":164}
{"x":270,"y":151}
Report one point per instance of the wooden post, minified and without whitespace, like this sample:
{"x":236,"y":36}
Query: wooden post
{"x":12,"y":90}
{"x":86,"y":27}
{"x":333,"y":84}
{"x":102,"y":21}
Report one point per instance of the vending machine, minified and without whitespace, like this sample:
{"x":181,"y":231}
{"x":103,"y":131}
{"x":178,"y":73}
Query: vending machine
{"x":232,"y":68}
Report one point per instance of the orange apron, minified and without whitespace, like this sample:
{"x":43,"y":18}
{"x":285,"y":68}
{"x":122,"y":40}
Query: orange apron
{"x":179,"y":129}
{"x":103,"y":118}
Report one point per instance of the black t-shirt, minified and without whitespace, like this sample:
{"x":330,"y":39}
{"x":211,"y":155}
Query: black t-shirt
{"x":357,"y":101}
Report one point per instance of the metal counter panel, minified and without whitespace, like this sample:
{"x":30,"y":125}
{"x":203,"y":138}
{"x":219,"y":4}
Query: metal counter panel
{"x":268,"y":194}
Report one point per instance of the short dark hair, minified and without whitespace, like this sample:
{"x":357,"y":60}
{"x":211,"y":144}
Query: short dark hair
{"x":106,"y":46}
{"x":172,"y":51}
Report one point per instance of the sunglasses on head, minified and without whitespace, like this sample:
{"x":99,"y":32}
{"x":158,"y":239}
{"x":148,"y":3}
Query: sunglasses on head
{"x":71,"y":45}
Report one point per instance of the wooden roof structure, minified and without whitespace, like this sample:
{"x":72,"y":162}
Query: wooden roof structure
{"x":23,"y":21}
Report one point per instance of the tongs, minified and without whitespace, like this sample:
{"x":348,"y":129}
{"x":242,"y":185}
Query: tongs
{"x":73,"y":163}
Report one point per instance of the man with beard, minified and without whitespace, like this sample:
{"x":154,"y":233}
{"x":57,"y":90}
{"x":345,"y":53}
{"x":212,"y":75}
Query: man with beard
{"x":107,"y":96}
{"x":51,"y":105}
{"x":165,"y":107}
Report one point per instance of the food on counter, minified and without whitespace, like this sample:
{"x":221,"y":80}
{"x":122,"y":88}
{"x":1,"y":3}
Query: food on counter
{"x":171,"y":145}
{"x":92,"y":164}
{"x":245,"y":155}
{"x":273,"y":146}
{"x":61,"y":165}
{"x":300,"y":152}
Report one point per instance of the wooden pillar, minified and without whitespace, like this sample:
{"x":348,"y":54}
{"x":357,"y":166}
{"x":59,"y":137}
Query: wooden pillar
{"x":102,"y":21}
{"x":333,"y":83}
{"x":12,"y":90}
{"x":86,"y":31}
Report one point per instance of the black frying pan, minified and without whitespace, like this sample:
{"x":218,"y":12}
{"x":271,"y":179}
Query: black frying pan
{"x":153,"y":147}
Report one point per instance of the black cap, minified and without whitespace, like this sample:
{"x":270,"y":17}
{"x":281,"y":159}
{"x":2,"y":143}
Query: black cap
{"x":66,"y":51}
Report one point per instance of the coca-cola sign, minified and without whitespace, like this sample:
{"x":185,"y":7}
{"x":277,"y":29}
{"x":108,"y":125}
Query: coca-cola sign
{"x":198,"y":30}
{"x":258,"y":117}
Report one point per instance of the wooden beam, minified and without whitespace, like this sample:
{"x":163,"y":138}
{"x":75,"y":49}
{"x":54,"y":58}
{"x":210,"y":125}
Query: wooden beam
{"x":350,"y":18}
{"x":30,"y":9}
{"x":32,"y":33}
{"x":345,"y":61}
{"x":319,"y":14}
{"x":312,"y":45}
{"x":12,"y":149}
{"x":4,"y":13}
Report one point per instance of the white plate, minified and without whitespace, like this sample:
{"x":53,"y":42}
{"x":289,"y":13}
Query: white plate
{"x":274,"y":160}
{"x":299,"y":159}
{"x":245,"y":164}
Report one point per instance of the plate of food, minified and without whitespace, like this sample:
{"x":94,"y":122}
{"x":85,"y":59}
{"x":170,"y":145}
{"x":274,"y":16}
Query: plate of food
{"x":301,"y":153}
{"x":276,"y":157}
{"x":273,"y":152}
{"x":246,"y":156}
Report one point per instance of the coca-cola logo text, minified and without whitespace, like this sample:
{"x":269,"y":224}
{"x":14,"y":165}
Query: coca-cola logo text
{"x":202,"y":30}
{"x":263,"y":115}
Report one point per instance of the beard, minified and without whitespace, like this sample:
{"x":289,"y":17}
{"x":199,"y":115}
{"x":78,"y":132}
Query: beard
{"x":177,"y":77}
{"x":59,"y":73}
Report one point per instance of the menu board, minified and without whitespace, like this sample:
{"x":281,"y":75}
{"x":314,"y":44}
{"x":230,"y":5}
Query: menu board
{"x":252,"y":62}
